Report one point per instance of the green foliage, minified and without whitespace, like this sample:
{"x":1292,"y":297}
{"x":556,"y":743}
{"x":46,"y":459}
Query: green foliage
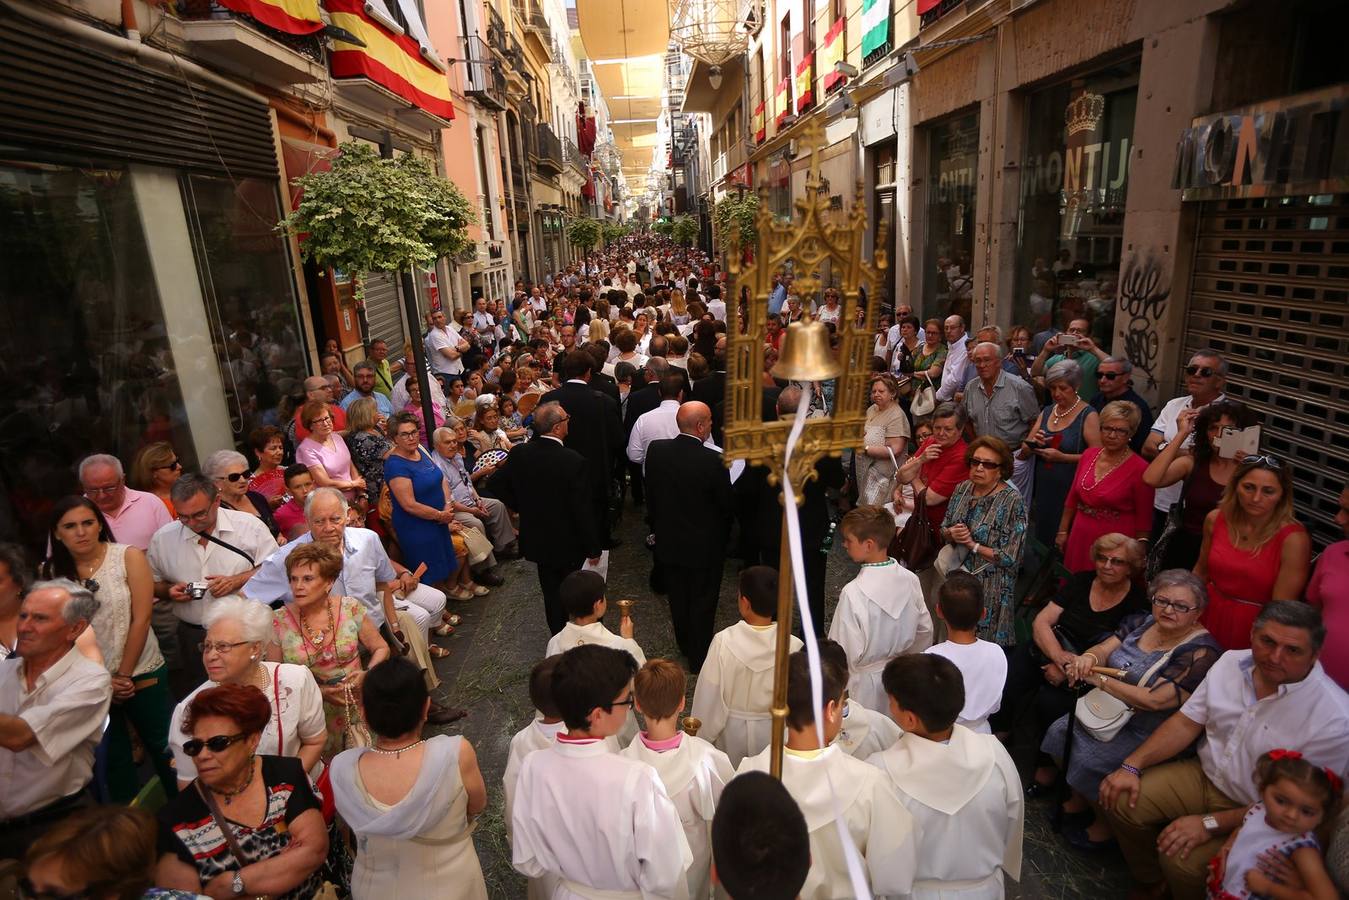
{"x":734,"y":210}
{"x":684,"y":230}
{"x":584,"y":233}
{"x":613,"y":231}
{"x":368,"y":214}
{"x":663,"y":228}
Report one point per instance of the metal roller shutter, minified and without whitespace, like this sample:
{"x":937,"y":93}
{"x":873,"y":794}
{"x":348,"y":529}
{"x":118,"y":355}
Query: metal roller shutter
{"x":384,"y":312}
{"x":79,"y":103}
{"x":1271,"y":291}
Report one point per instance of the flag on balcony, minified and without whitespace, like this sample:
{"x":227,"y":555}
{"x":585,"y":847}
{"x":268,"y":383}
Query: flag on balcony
{"x":290,"y":16}
{"x":393,"y":61}
{"x":831,"y":52}
{"x":926,"y":6}
{"x":805,"y":83}
{"x":760,"y":123}
{"x":782,"y":100}
{"x":875,"y":25}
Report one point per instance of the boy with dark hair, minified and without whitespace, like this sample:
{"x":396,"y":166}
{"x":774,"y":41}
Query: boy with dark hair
{"x":822,"y":778}
{"x":735,"y":685}
{"x":760,"y":844}
{"x":289,"y":516}
{"x":692,"y":770}
{"x":880,"y":613}
{"x":961,"y":787}
{"x":982,"y":664}
{"x":864,"y":731}
{"x":582,"y":597}
{"x":588,"y":821}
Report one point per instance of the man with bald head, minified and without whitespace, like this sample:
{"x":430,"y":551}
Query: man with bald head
{"x":688,"y":495}
{"x":957,"y":355}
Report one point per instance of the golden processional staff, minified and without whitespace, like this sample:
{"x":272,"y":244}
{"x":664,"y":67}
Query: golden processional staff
{"x":802,"y":245}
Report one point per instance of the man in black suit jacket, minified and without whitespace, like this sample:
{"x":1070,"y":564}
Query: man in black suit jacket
{"x":712,"y":391}
{"x":642,"y":400}
{"x":548,"y":484}
{"x":597,"y":434}
{"x":688,"y":491}
{"x":605,"y":384}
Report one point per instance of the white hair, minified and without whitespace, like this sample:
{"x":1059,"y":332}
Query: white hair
{"x":101,"y":459}
{"x":80,"y":601}
{"x":324,"y":492}
{"x":221,"y":460}
{"x":254,"y":618}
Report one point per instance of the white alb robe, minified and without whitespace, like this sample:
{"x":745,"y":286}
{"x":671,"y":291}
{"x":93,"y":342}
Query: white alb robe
{"x":573,"y":635}
{"x":865,"y":731}
{"x":965,"y":797}
{"x":694,"y":774}
{"x":586,"y":820}
{"x":735,"y":689}
{"x":880,"y":615}
{"x":880,"y":826}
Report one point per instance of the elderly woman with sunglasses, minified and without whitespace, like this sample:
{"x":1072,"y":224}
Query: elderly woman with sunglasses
{"x":1254,"y":550}
{"x":1166,"y":646}
{"x":238,"y":632}
{"x":229,"y":470}
{"x":251,"y":824}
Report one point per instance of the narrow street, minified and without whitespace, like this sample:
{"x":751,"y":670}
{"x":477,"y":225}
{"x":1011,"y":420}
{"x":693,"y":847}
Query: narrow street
{"x":503,"y":634}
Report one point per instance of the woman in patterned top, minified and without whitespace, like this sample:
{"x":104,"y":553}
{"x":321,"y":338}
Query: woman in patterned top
{"x":249,"y":824}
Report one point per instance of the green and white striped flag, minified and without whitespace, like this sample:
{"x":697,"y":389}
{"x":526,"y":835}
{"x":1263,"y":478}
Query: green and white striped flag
{"x":875,"y":25}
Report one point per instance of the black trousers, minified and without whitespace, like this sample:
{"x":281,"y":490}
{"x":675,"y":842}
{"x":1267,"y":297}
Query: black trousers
{"x":550,"y":581}
{"x":1026,"y":690}
{"x":193,"y":669}
{"x":692,"y":593}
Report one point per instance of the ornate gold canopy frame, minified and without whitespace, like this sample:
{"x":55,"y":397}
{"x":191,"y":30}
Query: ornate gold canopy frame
{"x":802,"y":245}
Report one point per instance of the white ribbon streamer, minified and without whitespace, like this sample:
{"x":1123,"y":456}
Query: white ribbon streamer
{"x":856,"y":872}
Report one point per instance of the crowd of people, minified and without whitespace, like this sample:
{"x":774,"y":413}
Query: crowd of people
{"x":1038,"y":556}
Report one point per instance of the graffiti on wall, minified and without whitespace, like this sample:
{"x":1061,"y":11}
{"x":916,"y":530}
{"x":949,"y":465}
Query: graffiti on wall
{"x":1144,"y":288}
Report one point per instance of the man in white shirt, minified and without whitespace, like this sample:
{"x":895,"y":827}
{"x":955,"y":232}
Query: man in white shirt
{"x":1275,"y":695}
{"x":715,"y":305}
{"x":208,"y":553}
{"x":660,"y":423}
{"x":957,"y":355}
{"x":53,"y":703}
{"x":1205,"y":378}
{"x":444,"y":349}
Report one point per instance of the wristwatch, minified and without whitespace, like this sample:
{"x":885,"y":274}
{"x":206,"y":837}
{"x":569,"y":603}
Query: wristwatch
{"x":1210,"y":823}
{"x":237,"y":883}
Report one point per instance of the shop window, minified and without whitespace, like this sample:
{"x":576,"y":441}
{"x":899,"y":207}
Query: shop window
{"x":88,"y":366}
{"x":1075,"y":178}
{"x":948,"y":256}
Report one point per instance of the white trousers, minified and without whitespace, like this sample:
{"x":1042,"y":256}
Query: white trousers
{"x":424,"y":605}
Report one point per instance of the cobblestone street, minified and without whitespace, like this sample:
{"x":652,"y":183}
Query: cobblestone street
{"x":503,"y":634}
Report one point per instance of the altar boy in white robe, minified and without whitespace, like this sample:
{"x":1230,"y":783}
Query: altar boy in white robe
{"x":735,"y":685}
{"x":587,"y":821}
{"x":819,"y":777}
{"x":692,"y":770}
{"x":864,"y":731}
{"x":961,"y":786}
{"x":880,"y":613}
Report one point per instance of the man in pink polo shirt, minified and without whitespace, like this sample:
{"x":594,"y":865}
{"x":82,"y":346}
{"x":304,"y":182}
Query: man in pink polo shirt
{"x":133,"y":516}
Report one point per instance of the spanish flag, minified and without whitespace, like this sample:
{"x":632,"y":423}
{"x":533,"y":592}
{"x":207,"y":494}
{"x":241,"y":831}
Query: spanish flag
{"x":393,"y":61}
{"x":831,"y":52}
{"x":760,"y":123}
{"x":290,"y":16}
{"x":782,"y":100}
{"x":805,"y":83}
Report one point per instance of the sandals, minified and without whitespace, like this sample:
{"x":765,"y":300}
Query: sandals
{"x":450,"y":618}
{"x":480,"y":591}
{"x":459,"y":594}
{"x":437,"y":652}
{"x":443,"y":630}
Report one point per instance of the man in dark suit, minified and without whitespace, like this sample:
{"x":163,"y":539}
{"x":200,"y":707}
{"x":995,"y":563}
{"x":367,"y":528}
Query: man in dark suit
{"x":605,"y":384}
{"x":548,"y":485}
{"x":597,"y":434}
{"x":688,"y":491}
{"x":642,"y":400}
{"x":712,"y":391}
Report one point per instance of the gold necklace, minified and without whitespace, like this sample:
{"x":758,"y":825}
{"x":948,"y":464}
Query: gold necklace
{"x":317,"y":640}
{"x":97,"y":564}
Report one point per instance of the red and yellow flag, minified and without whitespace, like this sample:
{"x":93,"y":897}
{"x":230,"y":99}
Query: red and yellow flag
{"x":393,"y":61}
{"x":782,"y":100}
{"x":832,"y":51}
{"x":805,"y":83}
{"x":290,"y":16}
{"x":760,"y":123}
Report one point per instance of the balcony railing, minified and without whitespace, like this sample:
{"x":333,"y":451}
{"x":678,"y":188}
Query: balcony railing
{"x":485,"y":82}
{"x":539,"y":21}
{"x":309,"y":45}
{"x":571,"y":154}
{"x":547,"y":149}
{"x":944,"y":8}
{"x":496,"y":32}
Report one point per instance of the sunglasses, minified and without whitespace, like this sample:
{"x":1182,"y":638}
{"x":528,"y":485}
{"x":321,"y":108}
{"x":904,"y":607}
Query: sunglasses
{"x":217,"y":744}
{"x":1263,"y":461}
{"x":168,"y":465}
{"x":1109,"y":376}
{"x":1200,"y":371}
{"x":989,"y":464}
{"x":237,"y":476}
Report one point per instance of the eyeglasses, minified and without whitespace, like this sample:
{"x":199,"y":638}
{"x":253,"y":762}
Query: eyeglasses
{"x":1266,"y":461}
{"x":1164,"y":603}
{"x":1201,"y":371}
{"x":1112,"y":561}
{"x":196,"y":516}
{"x":1116,"y":430}
{"x":985,"y":464}
{"x":321,"y":419}
{"x":241,"y":476}
{"x":221,"y":647}
{"x":168,"y":465}
{"x":406,"y":434}
{"x":218,"y":744}
{"x":95,"y":492}
{"x":632,"y":699}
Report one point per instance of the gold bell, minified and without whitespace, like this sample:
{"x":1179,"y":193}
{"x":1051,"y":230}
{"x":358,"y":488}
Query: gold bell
{"x":692,"y":724}
{"x":806,"y":354}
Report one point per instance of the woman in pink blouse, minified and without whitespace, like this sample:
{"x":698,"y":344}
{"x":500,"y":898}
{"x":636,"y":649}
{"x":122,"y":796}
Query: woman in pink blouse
{"x":325,"y":453}
{"x":1108,"y":494}
{"x":1329,"y":590}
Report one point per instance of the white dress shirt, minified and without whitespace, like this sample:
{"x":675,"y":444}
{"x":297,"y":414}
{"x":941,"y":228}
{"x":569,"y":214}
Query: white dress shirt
{"x":438,"y":339}
{"x":654,"y":425}
{"x":365,"y":564}
{"x":66,"y":710}
{"x":953,"y":370}
{"x":1310,"y":716}
{"x":176,"y":554}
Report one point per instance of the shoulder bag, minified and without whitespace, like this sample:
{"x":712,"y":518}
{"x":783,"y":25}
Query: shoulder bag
{"x":1104,"y":715}
{"x":917,"y":543}
{"x":924,"y":399}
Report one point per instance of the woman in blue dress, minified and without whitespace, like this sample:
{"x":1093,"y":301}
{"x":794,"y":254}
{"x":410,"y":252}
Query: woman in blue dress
{"x":1067,"y":427}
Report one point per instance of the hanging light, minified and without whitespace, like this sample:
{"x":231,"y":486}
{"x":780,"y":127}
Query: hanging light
{"x":713,"y":31}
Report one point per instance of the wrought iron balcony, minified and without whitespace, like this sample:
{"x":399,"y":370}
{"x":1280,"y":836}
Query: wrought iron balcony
{"x":571,"y":155}
{"x":497,"y":36}
{"x":547,"y":150}
{"x":945,"y":8}
{"x":243,"y":45}
{"x":485,"y":82}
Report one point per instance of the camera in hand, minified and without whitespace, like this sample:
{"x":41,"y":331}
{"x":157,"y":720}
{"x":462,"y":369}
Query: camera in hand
{"x":197,"y":590}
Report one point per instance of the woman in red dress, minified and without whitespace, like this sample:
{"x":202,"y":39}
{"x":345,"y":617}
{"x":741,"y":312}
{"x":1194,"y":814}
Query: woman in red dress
{"x":1108,"y":495}
{"x":1254,"y":551}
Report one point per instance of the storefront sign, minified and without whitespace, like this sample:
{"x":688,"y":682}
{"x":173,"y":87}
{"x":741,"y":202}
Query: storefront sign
{"x":1289,"y":145}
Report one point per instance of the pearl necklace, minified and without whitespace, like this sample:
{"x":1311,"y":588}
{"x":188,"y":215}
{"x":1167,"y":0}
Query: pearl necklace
{"x":396,"y":751}
{"x":1055,"y":416}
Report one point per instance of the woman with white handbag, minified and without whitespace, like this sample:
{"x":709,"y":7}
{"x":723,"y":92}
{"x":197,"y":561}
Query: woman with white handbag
{"x":1138,"y":677}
